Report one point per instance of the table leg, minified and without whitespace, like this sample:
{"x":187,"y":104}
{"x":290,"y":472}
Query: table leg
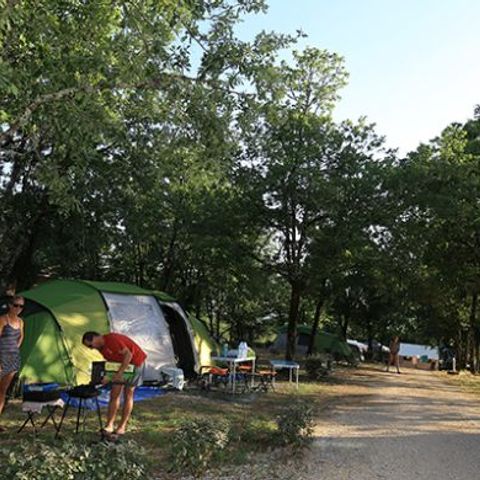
{"x":273,"y":376}
{"x":29,"y":419}
{"x":297,"y":370}
{"x":253,"y":374}
{"x":99,"y":415}
{"x":55,"y":425}
{"x":78,"y":415}
{"x":234,"y":380}
{"x":84,"y":415}
{"x":230,"y":379}
{"x":63,"y":417}
{"x":290,"y":375}
{"x":51,"y":412}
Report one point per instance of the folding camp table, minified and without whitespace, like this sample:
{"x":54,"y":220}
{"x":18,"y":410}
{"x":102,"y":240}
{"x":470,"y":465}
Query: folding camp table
{"x":232,"y":365}
{"x":281,"y":364}
{"x":32,"y":408}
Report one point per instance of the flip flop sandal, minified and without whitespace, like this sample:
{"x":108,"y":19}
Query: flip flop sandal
{"x":113,"y":438}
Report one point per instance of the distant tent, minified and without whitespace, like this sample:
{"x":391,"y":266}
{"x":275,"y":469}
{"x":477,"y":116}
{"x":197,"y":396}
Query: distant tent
{"x":324,"y":342}
{"x":58,"y":312}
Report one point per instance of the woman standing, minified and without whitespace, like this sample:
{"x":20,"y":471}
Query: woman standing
{"x":394,"y":357}
{"x":11,"y":337}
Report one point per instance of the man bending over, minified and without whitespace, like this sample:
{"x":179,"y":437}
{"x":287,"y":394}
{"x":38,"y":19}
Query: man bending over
{"x":116,"y":347}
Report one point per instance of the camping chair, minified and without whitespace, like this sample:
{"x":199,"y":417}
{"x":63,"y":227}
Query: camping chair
{"x":213,"y":376}
{"x":243,"y":377}
{"x":264,"y":377}
{"x":36,"y":397}
{"x":81,"y":394}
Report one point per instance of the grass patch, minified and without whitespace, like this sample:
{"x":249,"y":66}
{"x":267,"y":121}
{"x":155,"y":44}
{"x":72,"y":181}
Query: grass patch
{"x":251,"y":417}
{"x":465,"y":380}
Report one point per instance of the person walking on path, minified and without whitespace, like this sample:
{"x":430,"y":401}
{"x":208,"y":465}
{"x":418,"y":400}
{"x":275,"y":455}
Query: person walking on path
{"x":11,"y":337}
{"x":116,"y":347}
{"x":394,"y":357}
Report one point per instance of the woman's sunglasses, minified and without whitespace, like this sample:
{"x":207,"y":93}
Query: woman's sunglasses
{"x":18,"y":305}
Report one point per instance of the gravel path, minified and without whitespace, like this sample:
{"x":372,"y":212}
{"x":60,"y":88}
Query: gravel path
{"x":412,"y":426}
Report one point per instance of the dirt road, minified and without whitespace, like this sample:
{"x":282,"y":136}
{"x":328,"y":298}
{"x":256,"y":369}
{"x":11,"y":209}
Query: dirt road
{"x":412,"y":426}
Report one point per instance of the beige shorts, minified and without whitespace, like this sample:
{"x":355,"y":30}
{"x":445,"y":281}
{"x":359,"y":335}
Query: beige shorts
{"x":137,"y":380}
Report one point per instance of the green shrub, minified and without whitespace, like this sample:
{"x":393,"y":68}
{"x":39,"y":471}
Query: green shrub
{"x":295,"y":425}
{"x":318,"y":366}
{"x":69,"y":460}
{"x":196,"y":442}
{"x":258,"y":433}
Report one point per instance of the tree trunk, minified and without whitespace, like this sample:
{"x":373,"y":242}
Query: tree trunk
{"x":468,"y":343}
{"x":293,"y":321}
{"x":460,"y":350}
{"x":198,"y":308}
{"x":211,"y":322}
{"x":473,"y":334}
{"x":344,"y":326}
{"x":217,"y":325}
{"x":316,"y":323}
{"x":169,"y":262}
{"x":21,"y":272}
{"x":140,"y":280}
{"x":476,"y":339}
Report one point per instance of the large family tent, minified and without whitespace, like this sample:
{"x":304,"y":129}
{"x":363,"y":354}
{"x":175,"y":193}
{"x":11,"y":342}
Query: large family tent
{"x":59,"y":312}
{"x":324,"y":342}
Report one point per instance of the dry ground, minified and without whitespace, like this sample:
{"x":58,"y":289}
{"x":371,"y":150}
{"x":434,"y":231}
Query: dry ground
{"x":418,"y":425}
{"x":377,"y":425}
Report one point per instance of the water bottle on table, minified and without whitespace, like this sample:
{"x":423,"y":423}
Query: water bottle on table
{"x":242,"y":350}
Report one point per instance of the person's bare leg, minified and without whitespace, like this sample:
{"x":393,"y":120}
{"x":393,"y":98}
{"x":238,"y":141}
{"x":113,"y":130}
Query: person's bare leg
{"x":4,"y":384}
{"x":389,"y":362}
{"x":127,"y":409}
{"x":113,"y":406}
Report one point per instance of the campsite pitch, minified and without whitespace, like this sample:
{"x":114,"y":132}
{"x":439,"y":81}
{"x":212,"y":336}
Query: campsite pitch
{"x":371,"y":425}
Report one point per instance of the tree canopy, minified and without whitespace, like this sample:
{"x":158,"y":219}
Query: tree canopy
{"x":144,"y":141}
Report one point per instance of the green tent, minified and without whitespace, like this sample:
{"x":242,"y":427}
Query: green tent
{"x":324,"y":342}
{"x":58,"y":313}
{"x":204,"y":343}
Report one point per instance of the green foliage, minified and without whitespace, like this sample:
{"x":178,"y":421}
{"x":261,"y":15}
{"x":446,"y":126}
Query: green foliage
{"x":195,"y":443}
{"x":73,"y":461}
{"x":313,"y":182}
{"x":295,"y":425}
{"x":145,"y":142}
{"x":437,"y":190}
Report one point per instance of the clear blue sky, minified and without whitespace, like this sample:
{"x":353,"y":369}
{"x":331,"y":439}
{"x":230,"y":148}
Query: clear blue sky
{"x":414,"y":64}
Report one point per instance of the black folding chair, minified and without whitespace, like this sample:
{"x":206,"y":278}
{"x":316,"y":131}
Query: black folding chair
{"x":41,"y":399}
{"x":82,"y":393}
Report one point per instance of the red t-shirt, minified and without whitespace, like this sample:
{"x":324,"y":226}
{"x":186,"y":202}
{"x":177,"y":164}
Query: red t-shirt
{"x":115,"y":343}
